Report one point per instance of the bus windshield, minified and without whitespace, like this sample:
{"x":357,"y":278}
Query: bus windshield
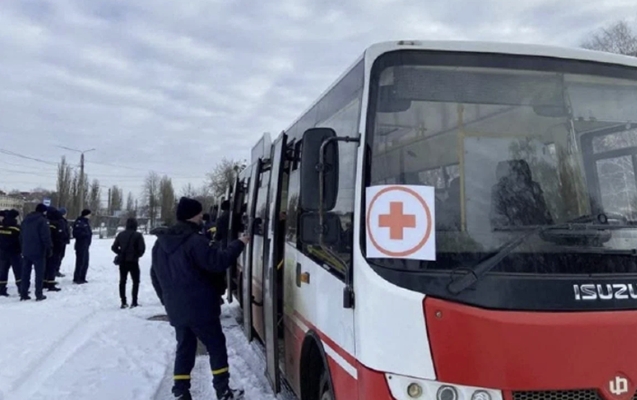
{"x":509,"y":150}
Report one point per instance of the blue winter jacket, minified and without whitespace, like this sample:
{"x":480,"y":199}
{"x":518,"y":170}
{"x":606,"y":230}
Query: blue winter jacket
{"x":183,"y":263}
{"x":82,"y":232}
{"x":36,"y":236}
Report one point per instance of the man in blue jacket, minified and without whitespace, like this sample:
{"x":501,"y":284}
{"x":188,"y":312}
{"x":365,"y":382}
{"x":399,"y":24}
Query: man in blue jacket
{"x":182,"y":263}
{"x":83,"y":235}
{"x":10,"y":251}
{"x":67,"y":239}
{"x":36,"y":247}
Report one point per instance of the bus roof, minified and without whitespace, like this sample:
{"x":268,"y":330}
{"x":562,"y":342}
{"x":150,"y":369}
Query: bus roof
{"x":570,"y":53}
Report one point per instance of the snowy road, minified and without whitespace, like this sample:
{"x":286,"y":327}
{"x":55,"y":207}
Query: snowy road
{"x":79,"y":345}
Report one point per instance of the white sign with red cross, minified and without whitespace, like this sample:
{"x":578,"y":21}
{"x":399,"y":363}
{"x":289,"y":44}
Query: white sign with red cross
{"x":400,"y":222}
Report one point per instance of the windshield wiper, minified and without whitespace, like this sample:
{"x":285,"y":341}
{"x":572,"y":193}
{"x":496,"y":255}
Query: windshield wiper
{"x":586,"y":224}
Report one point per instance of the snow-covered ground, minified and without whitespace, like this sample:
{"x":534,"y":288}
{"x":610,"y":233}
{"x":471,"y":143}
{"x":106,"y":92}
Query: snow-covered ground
{"x":78,"y":344}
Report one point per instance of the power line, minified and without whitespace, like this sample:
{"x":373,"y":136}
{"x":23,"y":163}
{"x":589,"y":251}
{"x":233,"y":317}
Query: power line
{"x":11,"y":153}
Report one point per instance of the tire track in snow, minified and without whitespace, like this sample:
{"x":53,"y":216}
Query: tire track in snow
{"x":58,"y":353}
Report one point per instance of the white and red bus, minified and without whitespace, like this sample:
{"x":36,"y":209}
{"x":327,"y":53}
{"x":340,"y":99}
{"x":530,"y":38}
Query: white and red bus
{"x":450,"y":221}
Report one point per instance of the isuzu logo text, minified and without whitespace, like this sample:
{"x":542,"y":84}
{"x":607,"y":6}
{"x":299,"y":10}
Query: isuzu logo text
{"x":607,"y":291}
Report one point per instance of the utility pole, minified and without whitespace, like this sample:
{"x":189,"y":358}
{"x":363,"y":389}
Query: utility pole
{"x":81,"y":183}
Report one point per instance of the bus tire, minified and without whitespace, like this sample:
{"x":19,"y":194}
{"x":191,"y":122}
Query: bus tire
{"x":326,"y":392}
{"x":315,"y":378}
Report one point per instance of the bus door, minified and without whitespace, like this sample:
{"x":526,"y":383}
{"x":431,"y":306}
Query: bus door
{"x":246,"y":277}
{"x":236,"y":200}
{"x":270,"y":284}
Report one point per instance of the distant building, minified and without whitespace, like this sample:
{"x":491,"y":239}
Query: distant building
{"x":10,"y":202}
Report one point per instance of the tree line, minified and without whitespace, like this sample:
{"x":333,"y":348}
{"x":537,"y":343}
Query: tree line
{"x":156,"y":199}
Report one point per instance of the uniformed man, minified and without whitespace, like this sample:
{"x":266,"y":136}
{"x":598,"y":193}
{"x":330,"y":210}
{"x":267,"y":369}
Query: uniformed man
{"x":58,"y":239}
{"x":83,"y":235}
{"x":182,"y":260}
{"x":10,"y":252}
{"x":223,"y":224}
{"x":35,"y":240}
{"x":67,"y":239}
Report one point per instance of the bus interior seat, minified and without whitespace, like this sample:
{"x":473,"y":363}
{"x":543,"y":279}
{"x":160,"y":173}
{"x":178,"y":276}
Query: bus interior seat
{"x":517,"y":200}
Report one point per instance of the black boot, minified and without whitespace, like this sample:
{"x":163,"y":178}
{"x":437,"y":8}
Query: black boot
{"x":53,"y":288}
{"x":230,"y":394}
{"x":3,"y":291}
{"x":124,"y":305}
{"x":40,"y":298}
{"x":185,"y":396}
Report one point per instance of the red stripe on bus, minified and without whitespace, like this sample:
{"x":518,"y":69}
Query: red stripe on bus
{"x":338,"y":349}
{"x":371,"y":384}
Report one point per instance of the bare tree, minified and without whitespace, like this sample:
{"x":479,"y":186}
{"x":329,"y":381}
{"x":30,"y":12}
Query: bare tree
{"x":117,"y":199}
{"x":189,"y":191}
{"x":167,"y":200}
{"x":223,"y":175}
{"x":617,"y":37}
{"x":76,"y":190}
{"x":64,"y":184}
{"x":130,"y":206}
{"x":94,"y":200}
{"x":151,"y":196}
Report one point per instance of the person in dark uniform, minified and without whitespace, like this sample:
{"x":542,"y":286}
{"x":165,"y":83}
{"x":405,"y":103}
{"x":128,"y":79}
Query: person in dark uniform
{"x":130,"y":247}
{"x":67,"y":239}
{"x":209,"y":227}
{"x":182,"y":260}
{"x":57,"y":237}
{"x":83,"y":235}
{"x":10,"y":251}
{"x":35,"y":240}
{"x":223,"y":224}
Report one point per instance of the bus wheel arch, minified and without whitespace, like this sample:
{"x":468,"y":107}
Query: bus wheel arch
{"x":315,"y":376}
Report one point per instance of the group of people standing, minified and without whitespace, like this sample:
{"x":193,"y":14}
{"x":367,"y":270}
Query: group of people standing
{"x":39,"y":244}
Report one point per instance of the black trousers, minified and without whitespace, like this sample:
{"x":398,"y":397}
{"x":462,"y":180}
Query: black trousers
{"x":28,"y":265}
{"x":126,"y":268}
{"x":211,"y":335}
{"x":81,"y":263}
{"x":52,"y":267}
{"x":10,"y":261}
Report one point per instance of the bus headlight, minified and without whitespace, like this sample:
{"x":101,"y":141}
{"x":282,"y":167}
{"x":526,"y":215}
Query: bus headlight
{"x":447,"y":393}
{"x":414,"y":390}
{"x":480,"y":395}
{"x":409,"y":388}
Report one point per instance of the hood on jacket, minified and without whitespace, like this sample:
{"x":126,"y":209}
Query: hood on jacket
{"x":169,"y":239}
{"x":131,"y":224}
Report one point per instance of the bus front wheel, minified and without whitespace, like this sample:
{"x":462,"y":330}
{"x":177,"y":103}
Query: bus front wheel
{"x":325,"y":391}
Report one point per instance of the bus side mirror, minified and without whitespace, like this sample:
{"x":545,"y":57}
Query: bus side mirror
{"x":315,"y":141}
{"x":310,"y":229}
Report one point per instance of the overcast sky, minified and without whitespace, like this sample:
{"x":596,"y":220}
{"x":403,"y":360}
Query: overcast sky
{"x":173,"y":86}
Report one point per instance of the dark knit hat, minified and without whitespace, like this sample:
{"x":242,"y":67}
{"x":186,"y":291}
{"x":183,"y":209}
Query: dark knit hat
{"x":188,"y":208}
{"x":86,"y":212}
{"x":41,"y":208}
